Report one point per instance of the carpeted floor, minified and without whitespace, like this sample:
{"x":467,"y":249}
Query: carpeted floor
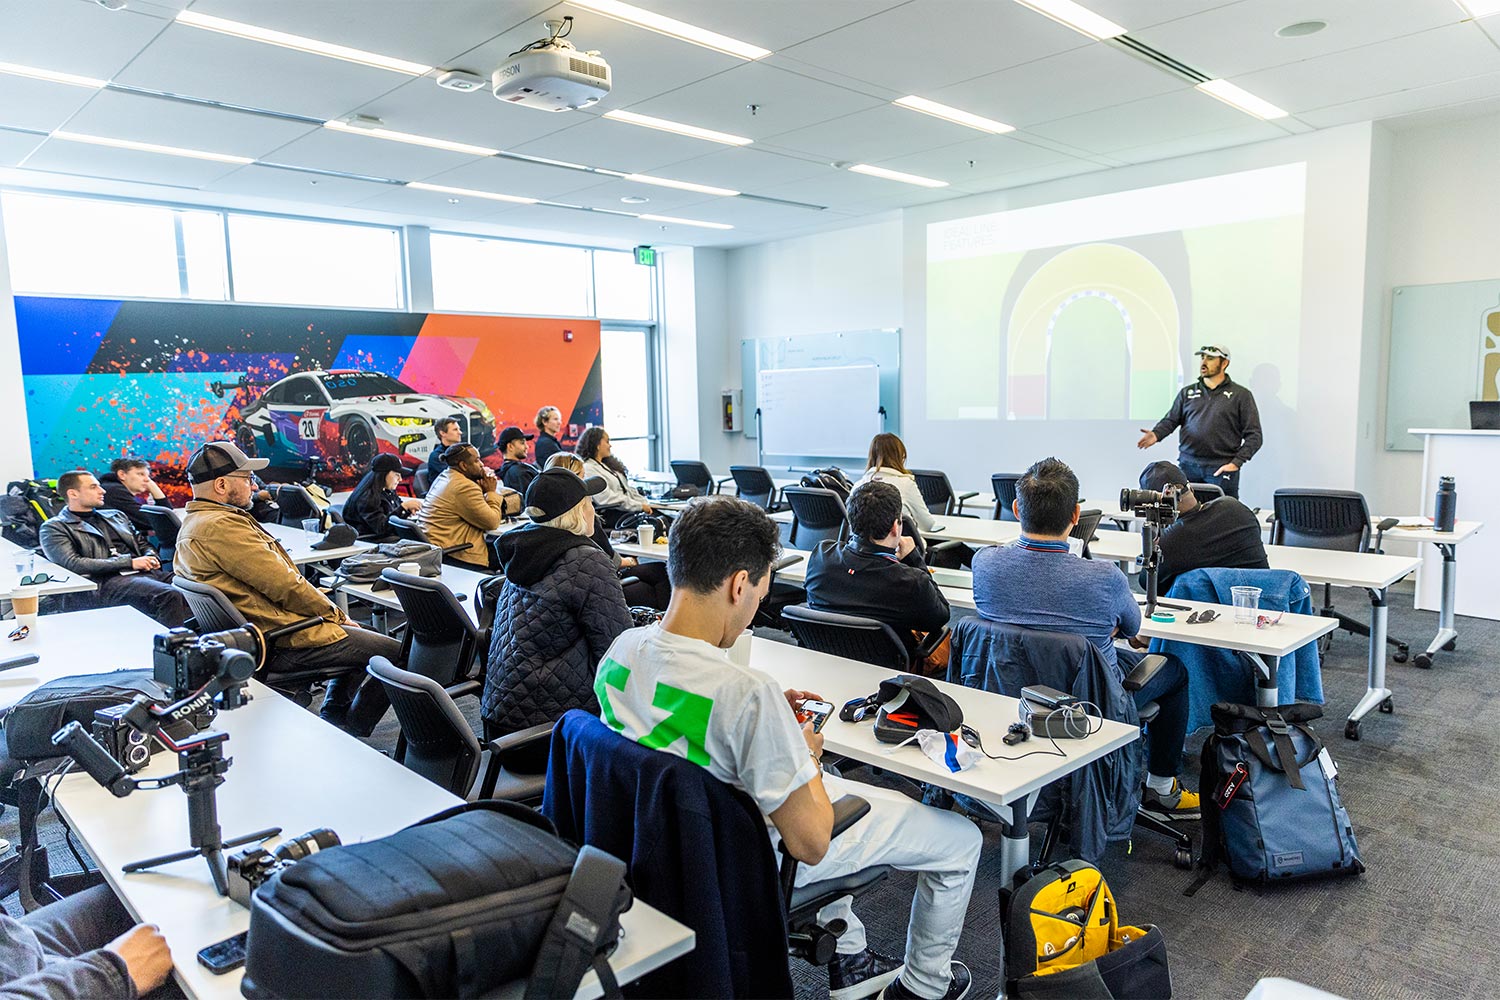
{"x":1423,"y":922}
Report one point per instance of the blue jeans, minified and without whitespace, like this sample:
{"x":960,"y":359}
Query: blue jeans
{"x":1168,"y":731}
{"x":1198,"y":472}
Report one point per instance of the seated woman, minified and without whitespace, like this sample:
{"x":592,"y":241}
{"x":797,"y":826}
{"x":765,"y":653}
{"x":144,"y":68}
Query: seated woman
{"x":887,"y":464}
{"x":651,"y":586}
{"x":374,"y":502}
{"x":619,"y":497}
{"x":560,"y":608}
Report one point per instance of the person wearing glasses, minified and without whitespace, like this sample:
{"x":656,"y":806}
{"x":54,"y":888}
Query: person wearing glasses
{"x":222,"y":546}
{"x":1218,"y":424}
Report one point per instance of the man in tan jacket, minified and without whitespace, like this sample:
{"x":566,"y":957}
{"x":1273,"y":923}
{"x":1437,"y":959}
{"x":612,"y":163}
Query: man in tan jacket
{"x":221,"y":545}
{"x":463,"y":503}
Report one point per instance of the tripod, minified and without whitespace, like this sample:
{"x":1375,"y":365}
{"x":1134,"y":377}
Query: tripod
{"x":1151,"y":557}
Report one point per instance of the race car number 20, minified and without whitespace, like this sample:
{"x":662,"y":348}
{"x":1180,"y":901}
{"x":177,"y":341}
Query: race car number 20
{"x":307,"y":428}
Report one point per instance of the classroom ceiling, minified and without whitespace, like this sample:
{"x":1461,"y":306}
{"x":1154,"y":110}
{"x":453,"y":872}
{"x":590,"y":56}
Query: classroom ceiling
{"x":823,"y":101}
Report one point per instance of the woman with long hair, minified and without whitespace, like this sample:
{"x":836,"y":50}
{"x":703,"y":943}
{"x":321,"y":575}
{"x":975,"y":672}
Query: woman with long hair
{"x":374,"y":502}
{"x":887,"y":464}
{"x":599,"y":460}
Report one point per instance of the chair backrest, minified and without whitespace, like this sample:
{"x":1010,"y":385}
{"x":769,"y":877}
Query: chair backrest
{"x":693,"y":474}
{"x":1004,"y":485}
{"x":753,"y":483}
{"x":850,"y":636}
{"x":410,"y":530}
{"x":164,"y":523}
{"x":438,"y":744}
{"x":937,"y":492}
{"x":1088,"y":523}
{"x":421,"y":481}
{"x":441,"y":641}
{"x":211,"y":609}
{"x":295,"y":504}
{"x":817,"y":515}
{"x":1204,"y":492}
{"x":1321,"y":519}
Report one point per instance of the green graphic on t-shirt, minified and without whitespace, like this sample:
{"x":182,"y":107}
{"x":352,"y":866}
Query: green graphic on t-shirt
{"x":688,"y":720}
{"x":614,"y":675}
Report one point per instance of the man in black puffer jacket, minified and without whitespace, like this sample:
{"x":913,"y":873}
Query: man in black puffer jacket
{"x":559,"y":610}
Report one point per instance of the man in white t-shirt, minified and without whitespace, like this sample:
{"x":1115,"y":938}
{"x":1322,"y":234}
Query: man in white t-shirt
{"x":674,"y":687}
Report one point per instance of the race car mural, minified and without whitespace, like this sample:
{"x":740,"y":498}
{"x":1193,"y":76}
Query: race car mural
{"x":347,"y":416}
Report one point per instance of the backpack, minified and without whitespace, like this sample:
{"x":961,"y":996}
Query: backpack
{"x":1063,"y":938}
{"x":1274,"y":812}
{"x":475,"y":897}
{"x":26,"y":504}
{"x":831,"y":478}
{"x":365,"y":567}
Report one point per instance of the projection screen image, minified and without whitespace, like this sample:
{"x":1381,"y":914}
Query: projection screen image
{"x":1092,"y":309}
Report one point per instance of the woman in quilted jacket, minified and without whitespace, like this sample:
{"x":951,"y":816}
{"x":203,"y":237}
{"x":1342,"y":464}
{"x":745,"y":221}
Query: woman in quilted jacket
{"x":559,"y":610}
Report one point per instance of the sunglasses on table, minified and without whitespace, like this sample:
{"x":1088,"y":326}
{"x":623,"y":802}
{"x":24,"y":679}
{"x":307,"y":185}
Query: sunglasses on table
{"x":41,"y":578}
{"x":19,"y":632}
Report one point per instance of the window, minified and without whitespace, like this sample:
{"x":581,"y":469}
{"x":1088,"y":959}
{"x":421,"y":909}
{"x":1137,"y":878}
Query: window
{"x":622,"y":288}
{"x":470,"y":274}
{"x":304,"y":392}
{"x":297,"y":262}
{"x":348,"y":385}
{"x":625,"y":360}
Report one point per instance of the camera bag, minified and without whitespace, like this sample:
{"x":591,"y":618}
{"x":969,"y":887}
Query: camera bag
{"x":365,"y":567}
{"x":458,"y":905}
{"x":30,"y":722}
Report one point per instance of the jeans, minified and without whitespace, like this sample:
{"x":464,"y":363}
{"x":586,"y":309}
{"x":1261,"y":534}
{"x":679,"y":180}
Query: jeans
{"x":1168,"y":731}
{"x":1199,"y":472}
{"x":354,"y":700}
{"x":75,"y":925}
{"x":149,"y":592}
{"x":943,"y":847}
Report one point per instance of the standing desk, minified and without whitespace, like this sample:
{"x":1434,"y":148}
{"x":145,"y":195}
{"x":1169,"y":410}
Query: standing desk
{"x":1446,"y":542}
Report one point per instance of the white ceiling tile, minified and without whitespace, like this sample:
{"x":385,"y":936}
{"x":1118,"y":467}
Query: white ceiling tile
{"x":421,"y":106}
{"x":103,"y":161}
{"x":784,"y":101}
{"x":750,"y":213}
{"x":659,"y":199}
{"x":877,"y":134}
{"x":588,"y":224}
{"x":599,"y":142}
{"x":327,"y":149}
{"x":975,"y":160}
{"x":1240,"y":135}
{"x":174,"y":123}
{"x":411,"y":202}
{"x":15,"y":146}
{"x":1154,"y":119}
{"x":72,"y":36}
{"x":747,"y":169}
{"x":37,"y":104}
{"x":1133,"y":15}
{"x":928,"y":44}
{"x":294,"y":185}
{"x":841,"y":189}
{"x":772,"y":24}
{"x":1457,"y":94}
{"x":499,"y":175}
{"x":1035,"y":175}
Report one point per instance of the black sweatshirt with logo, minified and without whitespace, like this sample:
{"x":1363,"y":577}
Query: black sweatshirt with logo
{"x":1218,"y":425}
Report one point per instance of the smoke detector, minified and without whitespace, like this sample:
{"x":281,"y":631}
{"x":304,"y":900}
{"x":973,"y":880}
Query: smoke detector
{"x":460,"y":80}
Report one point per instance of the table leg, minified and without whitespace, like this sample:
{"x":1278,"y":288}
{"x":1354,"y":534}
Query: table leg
{"x":1376,"y":693}
{"x":1447,"y":635}
{"x":1267,"y":686}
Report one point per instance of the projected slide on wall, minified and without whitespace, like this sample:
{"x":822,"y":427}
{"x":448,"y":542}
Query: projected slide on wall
{"x":1092,"y":309}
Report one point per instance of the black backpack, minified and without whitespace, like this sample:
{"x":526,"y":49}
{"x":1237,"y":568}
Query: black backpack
{"x":831,"y":478}
{"x":478,"y":896}
{"x":26,"y":504}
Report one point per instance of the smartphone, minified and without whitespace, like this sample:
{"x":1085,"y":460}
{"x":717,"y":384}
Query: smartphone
{"x":225,"y":956}
{"x":816,"y":712}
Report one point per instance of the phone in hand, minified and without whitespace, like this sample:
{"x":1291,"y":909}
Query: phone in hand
{"x":224,"y":956}
{"x":816,"y":712}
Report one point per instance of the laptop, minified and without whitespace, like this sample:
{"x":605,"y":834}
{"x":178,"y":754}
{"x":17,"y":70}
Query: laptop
{"x":1484,"y":415}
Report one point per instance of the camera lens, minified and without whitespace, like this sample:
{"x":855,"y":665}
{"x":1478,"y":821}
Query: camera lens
{"x":307,"y":844}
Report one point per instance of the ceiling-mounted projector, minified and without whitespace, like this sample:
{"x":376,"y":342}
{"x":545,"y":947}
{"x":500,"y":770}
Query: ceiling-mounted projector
{"x":552,"y":75}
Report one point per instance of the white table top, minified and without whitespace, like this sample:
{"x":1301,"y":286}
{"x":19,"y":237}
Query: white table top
{"x":78,"y":642}
{"x":1290,"y":634}
{"x":997,"y":782}
{"x":460,"y":581}
{"x":1462,"y":530}
{"x":1460,"y":431}
{"x":9,"y":578}
{"x":300,"y":548}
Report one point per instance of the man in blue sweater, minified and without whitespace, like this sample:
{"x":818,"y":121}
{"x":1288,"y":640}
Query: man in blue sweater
{"x":1037,"y":583}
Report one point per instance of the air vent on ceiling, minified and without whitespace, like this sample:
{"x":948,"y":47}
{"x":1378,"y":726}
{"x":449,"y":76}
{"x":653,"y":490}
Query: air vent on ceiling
{"x":1160,"y":60}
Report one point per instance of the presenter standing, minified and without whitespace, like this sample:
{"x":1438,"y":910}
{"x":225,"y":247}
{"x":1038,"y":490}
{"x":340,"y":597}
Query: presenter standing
{"x":1220,"y":426}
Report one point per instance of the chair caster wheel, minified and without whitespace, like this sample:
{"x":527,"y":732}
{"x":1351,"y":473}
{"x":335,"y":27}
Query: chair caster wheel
{"x":1388,"y":706}
{"x":1351,"y":730}
{"x":1450,"y":645}
{"x":1423,"y":661}
{"x":1400,"y":656}
{"x":1183,"y":859}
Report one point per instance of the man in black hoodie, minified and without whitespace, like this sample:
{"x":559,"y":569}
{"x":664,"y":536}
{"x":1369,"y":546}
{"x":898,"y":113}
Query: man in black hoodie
{"x":128,"y":487}
{"x":516,"y":473}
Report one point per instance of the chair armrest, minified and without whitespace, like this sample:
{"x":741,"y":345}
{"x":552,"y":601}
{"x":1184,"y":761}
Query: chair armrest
{"x":450,"y":550}
{"x":521,"y":738}
{"x":1380,"y":529}
{"x":846,"y":812}
{"x":275,"y":635}
{"x":786,"y":560}
{"x":464,"y":688}
{"x":626,"y":581}
{"x":1143,"y":672}
{"x":930,"y":643}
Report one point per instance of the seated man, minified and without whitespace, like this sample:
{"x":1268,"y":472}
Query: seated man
{"x":1222,"y":533}
{"x":463,"y":503}
{"x":102,"y":545}
{"x":449,"y":432}
{"x":128,"y":487}
{"x":878,"y":573}
{"x":221,"y":545}
{"x":742,"y":728}
{"x":1037,"y":583}
{"x":82,"y":946}
{"x":516,"y":473}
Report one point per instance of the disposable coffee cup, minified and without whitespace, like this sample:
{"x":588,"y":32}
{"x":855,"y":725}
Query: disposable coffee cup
{"x":1246,"y":604}
{"x":24,"y":601}
{"x":410,"y":569}
{"x":645,"y":534}
{"x":739,"y":653}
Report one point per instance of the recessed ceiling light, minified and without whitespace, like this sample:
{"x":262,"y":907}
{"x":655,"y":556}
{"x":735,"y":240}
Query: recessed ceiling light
{"x":301,"y":43}
{"x":453,"y":201}
{"x":693,"y":131}
{"x":667,"y":182}
{"x":896,"y":175}
{"x":953,"y":115}
{"x":150,"y":147}
{"x":1243,"y":100}
{"x":469,"y":192}
{"x":687,"y":222}
{"x":1479,"y":8}
{"x":1077,"y":17}
{"x":1301,"y":28}
{"x":359,"y":128}
{"x":671,"y":26}
{"x":634,"y":199}
{"x":111,"y":4}
{"x":51,"y":76}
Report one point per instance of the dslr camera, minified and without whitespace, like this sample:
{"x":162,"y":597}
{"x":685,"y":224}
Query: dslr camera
{"x":1158,"y":508}
{"x":183,"y":662}
{"x":249,"y":869}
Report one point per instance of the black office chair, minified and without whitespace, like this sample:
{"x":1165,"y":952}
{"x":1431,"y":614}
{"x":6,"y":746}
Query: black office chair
{"x":421,"y":482}
{"x":696,"y":475}
{"x":1004,"y":485}
{"x":441,"y":641}
{"x":937,"y":493}
{"x":817,"y":515}
{"x":850,"y":636}
{"x":1088,"y":523}
{"x":754,"y":483}
{"x":165,"y":524}
{"x":296,"y":504}
{"x":1331,"y":519}
{"x":437,"y":742}
{"x":408,"y":529}
{"x":1204,"y":492}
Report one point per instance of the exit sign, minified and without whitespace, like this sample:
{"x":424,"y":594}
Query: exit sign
{"x":645,"y":256}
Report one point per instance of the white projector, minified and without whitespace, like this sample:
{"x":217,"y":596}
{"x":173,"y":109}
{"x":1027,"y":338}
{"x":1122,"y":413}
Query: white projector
{"x":552,"y":78}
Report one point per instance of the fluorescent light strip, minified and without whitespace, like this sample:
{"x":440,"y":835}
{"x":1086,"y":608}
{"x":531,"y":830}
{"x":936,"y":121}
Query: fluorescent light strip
{"x":1077,"y":17}
{"x":667,"y":182}
{"x":51,"y":76}
{"x":953,"y":115}
{"x":151,"y":147}
{"x":671,"y":26}
{"x":471,"y":193}
{"x":1241,"y":100}
{"x":685,"y":222}
{"x":1479,"y":8}
{"x":896,"y":175}
{"x":411,"y":139}
{"x":692,"y":131}
{"x":301,"y":43}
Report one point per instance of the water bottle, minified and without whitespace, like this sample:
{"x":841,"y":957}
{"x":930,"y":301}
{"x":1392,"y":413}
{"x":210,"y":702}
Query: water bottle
{"x":1445,"y":509}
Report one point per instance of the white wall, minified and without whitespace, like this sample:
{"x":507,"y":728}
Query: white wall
{"x":15,"y":442}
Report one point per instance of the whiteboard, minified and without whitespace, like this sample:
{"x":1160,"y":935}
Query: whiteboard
{"x":828,"y":412}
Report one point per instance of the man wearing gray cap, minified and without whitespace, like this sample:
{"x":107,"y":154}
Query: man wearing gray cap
{"x":1220,"y":426}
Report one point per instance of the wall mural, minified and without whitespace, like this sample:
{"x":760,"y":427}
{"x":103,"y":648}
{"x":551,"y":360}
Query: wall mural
{"x":106,"y":378}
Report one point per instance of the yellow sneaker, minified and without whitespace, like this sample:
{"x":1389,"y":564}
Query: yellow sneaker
{"x":1178,"y":804}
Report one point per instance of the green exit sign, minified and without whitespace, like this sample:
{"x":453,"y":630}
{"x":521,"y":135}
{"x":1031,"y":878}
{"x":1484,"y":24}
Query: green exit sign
{"x":645,"y":256}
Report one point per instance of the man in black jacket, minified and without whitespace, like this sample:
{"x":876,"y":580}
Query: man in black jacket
{"x":1219,"y":421}
{"x":517,"y":473}
{"x":101,"y":545}
{"x":128,"y":487}
{"x":878,"y":573}
{"x":1221,"y":534}
{"x":449,"y":432}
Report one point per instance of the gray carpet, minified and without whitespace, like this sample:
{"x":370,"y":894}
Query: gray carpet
{"x":1422,"y":922}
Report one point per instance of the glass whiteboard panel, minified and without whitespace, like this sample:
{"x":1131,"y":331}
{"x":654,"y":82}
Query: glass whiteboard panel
{"x":1445,"y":351}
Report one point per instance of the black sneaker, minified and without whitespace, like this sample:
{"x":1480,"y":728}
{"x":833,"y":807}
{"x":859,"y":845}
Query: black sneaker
{"x":851,"y":977}
{"x":958,"y":986}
